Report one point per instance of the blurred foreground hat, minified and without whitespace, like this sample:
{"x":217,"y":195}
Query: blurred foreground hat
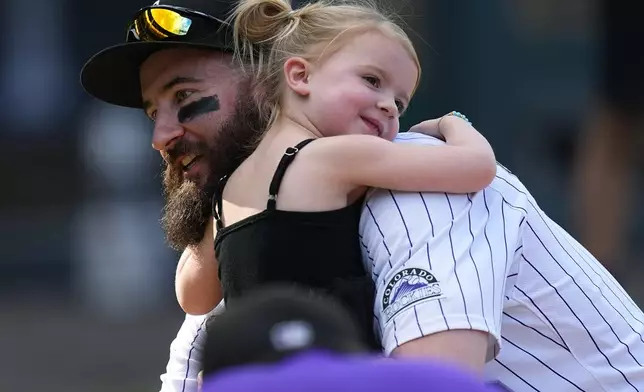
{"x":275,"y":322}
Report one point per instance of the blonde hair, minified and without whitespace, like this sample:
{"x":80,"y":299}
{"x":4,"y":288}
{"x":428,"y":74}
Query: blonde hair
{"x":269,"y":32}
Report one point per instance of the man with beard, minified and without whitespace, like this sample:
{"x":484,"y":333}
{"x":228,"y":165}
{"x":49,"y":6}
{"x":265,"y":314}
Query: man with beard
{"x":187,"y":85}
{"x":176,"y":65}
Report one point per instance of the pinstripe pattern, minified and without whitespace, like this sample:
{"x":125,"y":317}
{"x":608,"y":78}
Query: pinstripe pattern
{"x":186,"y":353}
{"x":561,"y":322}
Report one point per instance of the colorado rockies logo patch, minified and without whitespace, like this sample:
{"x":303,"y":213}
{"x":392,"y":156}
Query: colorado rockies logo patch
{"x":408,"y":287}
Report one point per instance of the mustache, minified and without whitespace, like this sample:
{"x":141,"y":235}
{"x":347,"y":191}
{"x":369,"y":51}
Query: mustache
{"x":182,"y":148}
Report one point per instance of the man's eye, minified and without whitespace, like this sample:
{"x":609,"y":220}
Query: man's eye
{"x":181,"y":95}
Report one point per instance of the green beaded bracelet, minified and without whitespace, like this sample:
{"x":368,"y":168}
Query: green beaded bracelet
{"x":459,"y":115}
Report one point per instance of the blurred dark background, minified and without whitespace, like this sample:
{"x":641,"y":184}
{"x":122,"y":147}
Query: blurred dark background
{"x":86,"y":281}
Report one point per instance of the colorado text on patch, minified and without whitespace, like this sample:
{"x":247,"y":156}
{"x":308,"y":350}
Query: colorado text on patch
{"x":408,"y":287}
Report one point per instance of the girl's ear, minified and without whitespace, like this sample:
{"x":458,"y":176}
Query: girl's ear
{"x":296,"y":74}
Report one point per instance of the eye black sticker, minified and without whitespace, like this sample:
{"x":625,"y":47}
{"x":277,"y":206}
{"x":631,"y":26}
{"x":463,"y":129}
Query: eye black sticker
{"x":198,"y":108}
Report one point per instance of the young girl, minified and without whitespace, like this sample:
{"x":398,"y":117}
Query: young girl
{"x":339,"y":76}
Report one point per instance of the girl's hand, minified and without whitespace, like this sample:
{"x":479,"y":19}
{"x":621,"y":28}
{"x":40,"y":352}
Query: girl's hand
{"x":453,"y":121}
{"x":429,"y":127}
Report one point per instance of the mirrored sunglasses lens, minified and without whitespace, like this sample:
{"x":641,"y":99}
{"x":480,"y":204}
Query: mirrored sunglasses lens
{"x":159,"y":23}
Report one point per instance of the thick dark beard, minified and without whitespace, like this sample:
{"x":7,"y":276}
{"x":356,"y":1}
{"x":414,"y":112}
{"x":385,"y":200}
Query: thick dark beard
{"x":188,"y":207}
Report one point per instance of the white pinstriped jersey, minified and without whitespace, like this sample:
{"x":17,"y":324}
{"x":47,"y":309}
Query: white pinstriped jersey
{"x":493,"y":261}
{"x":186,"y":353}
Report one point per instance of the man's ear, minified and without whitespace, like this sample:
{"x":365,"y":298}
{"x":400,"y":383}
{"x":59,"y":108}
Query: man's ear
{"x":296,"y":74}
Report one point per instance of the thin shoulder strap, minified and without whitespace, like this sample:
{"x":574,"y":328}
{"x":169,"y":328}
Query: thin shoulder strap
{"x":286,"y":160}
{"x":217,"y":202}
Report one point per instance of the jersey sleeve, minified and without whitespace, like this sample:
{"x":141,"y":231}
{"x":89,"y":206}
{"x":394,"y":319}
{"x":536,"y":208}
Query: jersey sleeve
{"x":440,"y":261}
{"x":186,"y":354}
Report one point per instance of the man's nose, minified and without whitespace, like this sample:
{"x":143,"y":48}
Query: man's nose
{"x":165,"y":134}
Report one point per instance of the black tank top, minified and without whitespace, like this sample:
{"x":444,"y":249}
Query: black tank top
{"x":316,"y":249}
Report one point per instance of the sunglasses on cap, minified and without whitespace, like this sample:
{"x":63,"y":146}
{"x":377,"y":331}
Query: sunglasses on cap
{"x":159,"y":23}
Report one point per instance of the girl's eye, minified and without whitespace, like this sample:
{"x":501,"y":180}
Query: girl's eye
{"x":401,"y":106}
{"x":372,"y":80}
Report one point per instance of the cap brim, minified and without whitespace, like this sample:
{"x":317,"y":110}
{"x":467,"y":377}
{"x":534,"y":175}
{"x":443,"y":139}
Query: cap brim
{"x":112,"y":75}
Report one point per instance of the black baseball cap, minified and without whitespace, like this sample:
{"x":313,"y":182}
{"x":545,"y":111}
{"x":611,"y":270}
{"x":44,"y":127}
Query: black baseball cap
{"x":112,"y":75}
{"x":274,"y":322}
